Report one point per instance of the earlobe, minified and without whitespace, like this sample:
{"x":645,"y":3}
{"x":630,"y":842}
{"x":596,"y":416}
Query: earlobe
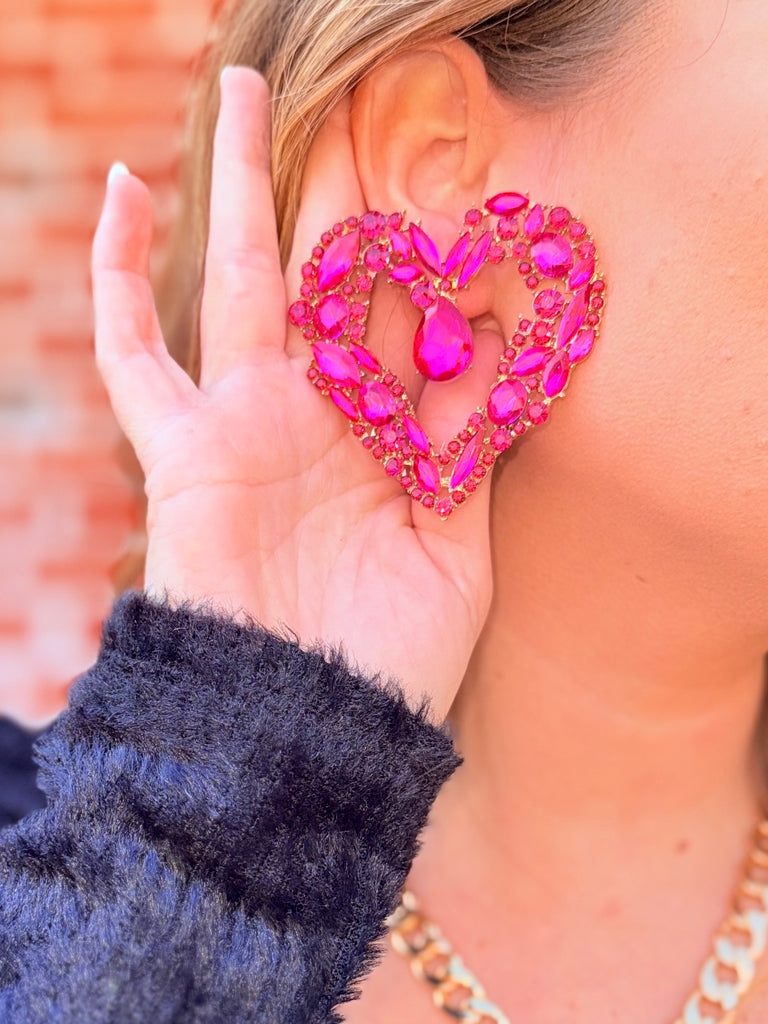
{"x":418,"y":137}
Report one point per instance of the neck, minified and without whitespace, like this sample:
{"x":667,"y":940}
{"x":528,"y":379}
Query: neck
{"x":609,"y":782}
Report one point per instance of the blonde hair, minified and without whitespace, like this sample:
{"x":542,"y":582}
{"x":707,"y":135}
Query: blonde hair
{"x":313,"y":52}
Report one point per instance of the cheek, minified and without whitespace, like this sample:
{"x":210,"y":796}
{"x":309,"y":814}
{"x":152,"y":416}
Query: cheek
{"x":672,"y":406}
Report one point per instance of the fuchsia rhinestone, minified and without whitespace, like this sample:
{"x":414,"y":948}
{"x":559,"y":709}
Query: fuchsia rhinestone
{"x":376,"y":257}
{"x":347,"y":406}
{"x":332,"y":316}
{"x":401,"y":244}
{"x":405,"y":273}
{"x":555,"y":374}
{"x":573,"y":317}
{"x":548,"y":303}
{"x":581,"y":345}
{"x":552,"y":255}
{"x":531,"y":360}
{"x":582,"y":273}
{"x":506,"y":402}
{"x":340,"y":256}
{"x":376,"y":402}
{"x":443,"y":346}
{"x":416,"y":435}
{"x":337,"y":364}
{"x":556,"y":261}
{"x":427,"y":474}
{"x":366,"y":358}
{"x":372,"y":224}
{"x":475,"y":259}
{"x":534,"y":222}
{"x":300,"y":313}
{"x":507,"y":202}
{"x":423,"y":294}
{"x":559,"y":217}
{"x":456,"y":256}
{"x":507,"y":228}
{"x":467,"y":461}
{"x":426,"y":249}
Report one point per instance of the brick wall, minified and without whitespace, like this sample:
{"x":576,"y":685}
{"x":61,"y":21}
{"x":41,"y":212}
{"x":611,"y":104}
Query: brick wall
{"x":82,"y":83}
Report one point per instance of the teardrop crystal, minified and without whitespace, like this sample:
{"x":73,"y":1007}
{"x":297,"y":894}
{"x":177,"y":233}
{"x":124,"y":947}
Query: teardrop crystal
{"x":443,"y":346}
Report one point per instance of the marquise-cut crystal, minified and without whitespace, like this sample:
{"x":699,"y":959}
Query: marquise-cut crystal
{"x":443,"y":346}
{"x":347,"y":406}
{"x":416,"y":435}
{"x":406,"y":273}
{"x":534,"y":222}
{"x":507,"y":202}
{"x":573,"y":317}
{"x":426,"y":249}
{"x":401,"y":244}
{"x":467,"y":461}
{"x":337,"y":364}
{"x":377,"y":403}
{"x":507,"y":401}
{"x":456,"y":255}
{"x":531,"y":360}
{"x":552,"y":254}
{"x":427,"y":474}
{"x":365,"y":357}
{"x":474,"y":261}
{"x":581,"y":345}
{"x":338,"y":260}
{"x":582,"y":273}
{"x":332,"y":316}
{"x":555,"y":374}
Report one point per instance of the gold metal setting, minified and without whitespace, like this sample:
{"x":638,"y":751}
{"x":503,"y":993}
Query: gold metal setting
{"x":725,"y":978}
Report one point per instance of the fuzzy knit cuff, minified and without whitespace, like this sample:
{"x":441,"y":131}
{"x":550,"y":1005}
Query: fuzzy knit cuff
{"x":265,"y":759}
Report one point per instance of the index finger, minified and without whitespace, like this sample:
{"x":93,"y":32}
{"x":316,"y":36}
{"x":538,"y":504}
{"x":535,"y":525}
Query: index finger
{"x":243,"y":307}
{"x":331,"y":192}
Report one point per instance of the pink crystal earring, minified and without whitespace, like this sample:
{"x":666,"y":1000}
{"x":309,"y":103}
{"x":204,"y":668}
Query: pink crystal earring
{"x":557,"y":259}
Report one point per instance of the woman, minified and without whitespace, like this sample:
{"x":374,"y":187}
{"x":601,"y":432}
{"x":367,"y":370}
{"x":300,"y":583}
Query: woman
{"x":233,"y":812}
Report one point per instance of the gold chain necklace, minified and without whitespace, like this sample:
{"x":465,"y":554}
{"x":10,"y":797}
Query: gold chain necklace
{"x":726,"y":976}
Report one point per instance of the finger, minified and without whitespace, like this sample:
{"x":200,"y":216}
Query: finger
{"x":243,"y":315}
{"x":331,"y":192}
{"x":141,"y":378}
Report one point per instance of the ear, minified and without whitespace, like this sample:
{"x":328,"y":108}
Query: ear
{"x":424,"y":129}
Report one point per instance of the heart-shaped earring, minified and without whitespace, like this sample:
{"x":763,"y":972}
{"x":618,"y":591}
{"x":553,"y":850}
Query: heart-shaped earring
{"x":557,"y":259}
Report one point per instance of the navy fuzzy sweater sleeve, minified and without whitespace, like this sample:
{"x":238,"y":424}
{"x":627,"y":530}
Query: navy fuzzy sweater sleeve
{"x":229,"y":821}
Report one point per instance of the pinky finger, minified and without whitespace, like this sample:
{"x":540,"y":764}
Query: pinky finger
{"x":143,"y":381}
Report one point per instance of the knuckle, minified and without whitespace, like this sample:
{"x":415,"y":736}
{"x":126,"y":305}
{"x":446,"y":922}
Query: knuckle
{"x":244,"y":271}
{"x":251,"y":260}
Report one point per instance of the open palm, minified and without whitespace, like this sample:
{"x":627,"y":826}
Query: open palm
{"x":260,"y":502}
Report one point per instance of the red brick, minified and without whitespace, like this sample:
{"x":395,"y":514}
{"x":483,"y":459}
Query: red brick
{"x":13,"y":629}
{"x":82,"y":83}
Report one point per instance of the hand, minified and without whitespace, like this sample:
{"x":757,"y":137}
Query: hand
{"x":261,"y":503}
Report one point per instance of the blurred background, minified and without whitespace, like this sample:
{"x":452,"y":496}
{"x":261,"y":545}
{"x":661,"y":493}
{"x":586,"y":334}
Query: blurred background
{"x":82,"y":83}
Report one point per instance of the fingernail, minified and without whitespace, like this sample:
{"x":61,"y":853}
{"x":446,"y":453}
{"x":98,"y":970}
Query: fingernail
{"x":224,"y":72}
{"x":116,"y":170}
